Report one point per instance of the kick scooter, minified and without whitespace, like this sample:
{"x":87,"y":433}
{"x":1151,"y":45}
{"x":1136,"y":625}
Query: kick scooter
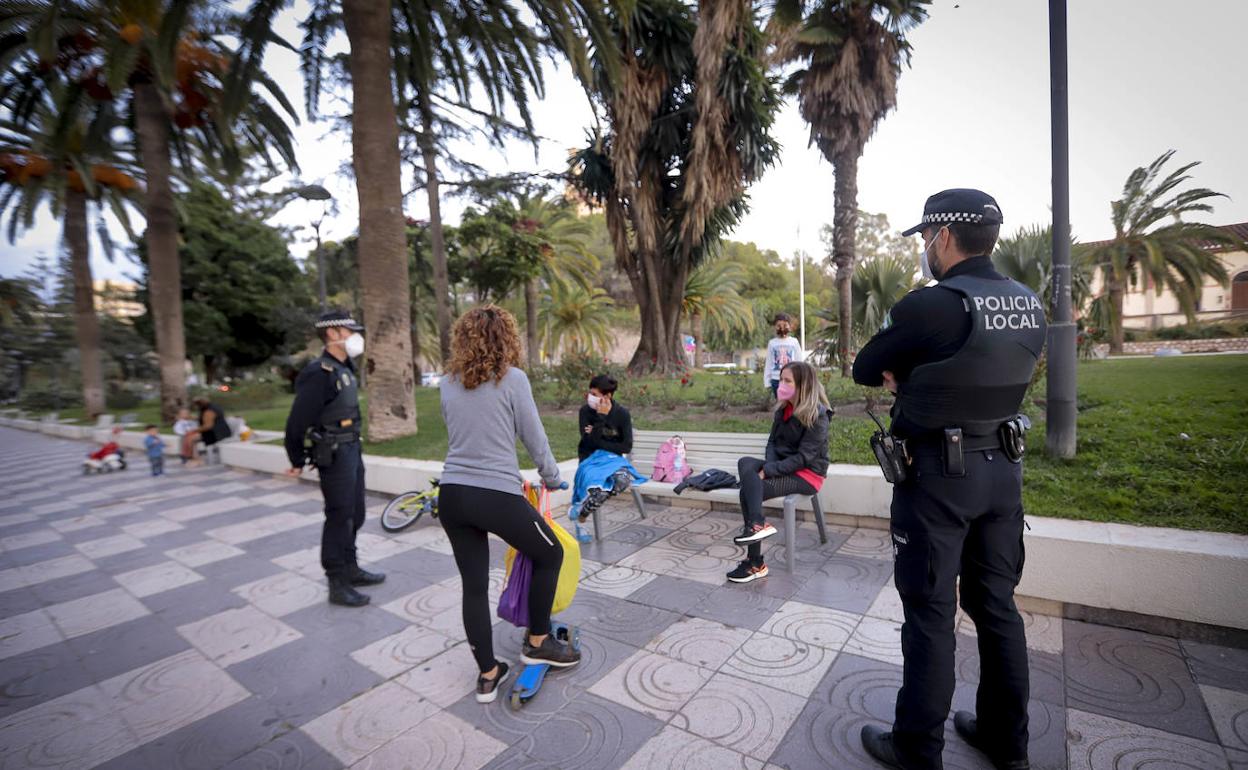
{"x":530,"y":679}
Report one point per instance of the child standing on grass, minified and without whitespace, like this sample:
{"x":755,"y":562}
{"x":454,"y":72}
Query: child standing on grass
{"x":155,"y":447}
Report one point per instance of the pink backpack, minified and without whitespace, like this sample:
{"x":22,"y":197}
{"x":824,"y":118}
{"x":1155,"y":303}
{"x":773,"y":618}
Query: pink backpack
{"x":669,"y":463}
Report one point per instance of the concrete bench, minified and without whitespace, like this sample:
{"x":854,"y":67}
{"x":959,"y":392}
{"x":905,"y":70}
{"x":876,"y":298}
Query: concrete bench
{"x":704,"y":451}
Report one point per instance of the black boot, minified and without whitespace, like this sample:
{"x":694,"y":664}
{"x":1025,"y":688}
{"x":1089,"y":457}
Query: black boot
{"x":361,"y":577}
{"x":967,"y":726}
{"x":879,"y":744}
{"x":341,"y":592}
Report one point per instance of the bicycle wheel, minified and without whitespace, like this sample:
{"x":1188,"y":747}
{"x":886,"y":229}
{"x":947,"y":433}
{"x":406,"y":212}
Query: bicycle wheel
{"x":403,"y":511}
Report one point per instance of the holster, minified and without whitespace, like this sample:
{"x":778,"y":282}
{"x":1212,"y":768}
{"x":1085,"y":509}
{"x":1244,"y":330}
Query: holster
{"x":1013,"y":435}
{"x":322,"y":445}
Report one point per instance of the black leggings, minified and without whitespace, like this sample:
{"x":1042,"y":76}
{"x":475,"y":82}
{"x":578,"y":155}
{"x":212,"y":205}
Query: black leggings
{"x":467,"y":514}
{"x":755,"y":490}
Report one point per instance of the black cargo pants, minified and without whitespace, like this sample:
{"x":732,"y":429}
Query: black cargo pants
{"x":342,"y":485}
{"x":941,"y":528}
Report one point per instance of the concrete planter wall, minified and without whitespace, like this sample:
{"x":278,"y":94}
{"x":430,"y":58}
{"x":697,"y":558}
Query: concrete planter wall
{"x":1177,"y":574}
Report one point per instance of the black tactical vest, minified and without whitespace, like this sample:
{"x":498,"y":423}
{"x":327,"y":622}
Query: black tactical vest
{"x":343,"y":413}
{"x":983,"y":384}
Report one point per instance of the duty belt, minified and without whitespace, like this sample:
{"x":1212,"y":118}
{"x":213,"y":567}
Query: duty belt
{"x":340,"y":436}
{"x":932,"y":442}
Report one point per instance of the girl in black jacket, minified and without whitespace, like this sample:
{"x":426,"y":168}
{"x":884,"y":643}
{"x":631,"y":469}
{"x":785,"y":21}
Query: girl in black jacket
{"x":797,"y":459}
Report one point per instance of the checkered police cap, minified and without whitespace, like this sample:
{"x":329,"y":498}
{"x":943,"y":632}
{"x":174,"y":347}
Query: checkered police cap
{"x":338,"y":318}
{"x":973,"y":207}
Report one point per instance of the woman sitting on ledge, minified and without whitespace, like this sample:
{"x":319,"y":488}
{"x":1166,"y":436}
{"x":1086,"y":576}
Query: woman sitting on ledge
{"x":797,"y":459}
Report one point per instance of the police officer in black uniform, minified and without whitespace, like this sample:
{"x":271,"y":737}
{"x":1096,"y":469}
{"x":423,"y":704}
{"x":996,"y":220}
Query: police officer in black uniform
{"x":323,"y":429}
{"x":959,"y":355}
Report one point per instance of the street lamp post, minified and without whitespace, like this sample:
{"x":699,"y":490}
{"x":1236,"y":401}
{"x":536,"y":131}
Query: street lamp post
{"x":314,"y":192}
{"x":1060,"y":440}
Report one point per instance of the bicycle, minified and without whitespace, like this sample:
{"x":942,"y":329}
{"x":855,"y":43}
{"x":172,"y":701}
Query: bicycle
{"x":405,"y":509}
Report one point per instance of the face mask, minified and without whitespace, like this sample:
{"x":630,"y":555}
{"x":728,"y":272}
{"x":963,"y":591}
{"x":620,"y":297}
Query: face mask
{"x":925,"y":264}
{"x":593,"y":401}
{"x":785,"y":391}
{"x":354,"y":345}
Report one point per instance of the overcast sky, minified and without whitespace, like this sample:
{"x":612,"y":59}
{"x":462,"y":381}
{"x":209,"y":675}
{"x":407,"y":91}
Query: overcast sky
{"x":973,"y":111}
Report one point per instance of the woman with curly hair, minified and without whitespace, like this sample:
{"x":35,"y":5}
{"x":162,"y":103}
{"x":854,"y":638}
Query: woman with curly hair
{"x":487,"y":404}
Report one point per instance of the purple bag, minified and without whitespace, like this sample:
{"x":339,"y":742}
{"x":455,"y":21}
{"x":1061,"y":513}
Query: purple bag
{"x":513,"y":604}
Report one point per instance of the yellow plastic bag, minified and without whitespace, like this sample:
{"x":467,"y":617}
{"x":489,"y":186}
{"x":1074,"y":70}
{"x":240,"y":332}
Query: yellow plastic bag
{"x":570,"y":572}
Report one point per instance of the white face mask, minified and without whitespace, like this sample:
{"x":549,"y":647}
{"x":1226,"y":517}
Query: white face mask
{"x":924,"y":265}
{"x":354,"y":345}
{"x":593,"y":401}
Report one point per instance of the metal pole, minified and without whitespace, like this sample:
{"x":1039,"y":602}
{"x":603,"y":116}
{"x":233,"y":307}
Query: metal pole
{"x":320,"y":267}
{"x":1060,"y":419}
{"x":801,"y":298}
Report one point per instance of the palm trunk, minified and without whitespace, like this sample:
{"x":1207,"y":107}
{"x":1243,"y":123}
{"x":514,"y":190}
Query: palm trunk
{"x":844,"y":224}
{"x":1117,"y":292}
{"x":164,"y":274}
{"x":86,"y":324}
{"x":416,"y":348}
{"x":530,"y":321}
{"x":383,"y":242}
{"x":441,"y":282}
{"x":695,"y":331}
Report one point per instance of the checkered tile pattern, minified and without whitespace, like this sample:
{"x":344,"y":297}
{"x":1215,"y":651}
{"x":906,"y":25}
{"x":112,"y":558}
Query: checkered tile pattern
{"x":181,"y":621}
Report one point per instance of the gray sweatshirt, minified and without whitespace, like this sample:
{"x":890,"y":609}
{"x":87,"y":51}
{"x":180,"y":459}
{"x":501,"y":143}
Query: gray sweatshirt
{"x":482,"y":426}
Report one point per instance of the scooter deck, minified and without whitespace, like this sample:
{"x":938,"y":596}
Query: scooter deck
{"x":530,"y":679}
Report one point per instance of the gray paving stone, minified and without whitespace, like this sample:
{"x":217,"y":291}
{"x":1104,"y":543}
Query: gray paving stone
{"x":211,"y":742}
{"x":594,"y":733}
{"x":1133,"y":677}
{"x":292,"y":751}
{"x":670,"y":593}
{"x":40,"y":675}
{"x":514,"y":759}
{"x":628,"y":622}
{"x":848,"y":583}
{"x":303,"y":679}
{"x":118,"y":649}
{"x":1224,"y":667}
{"x":238,"y":570}
{"x":73,"y":587}
{"x":38,"y":553}
{"x":733,"y":607}
{"x":344,"y":628}
{"x":1097,"y":741}
{"x":185,"y":604}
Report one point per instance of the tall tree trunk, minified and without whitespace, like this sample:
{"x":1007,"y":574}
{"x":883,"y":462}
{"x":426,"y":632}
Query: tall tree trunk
{"x":530,"y":321}
{"x":1117,"y":292}
{"x":210,"y":368}
{"x":416,"y":348}
{"x":86,"y":324}
{"x":441,"y":282}
{"x":695,"y":331}
{"x":164,"y":274}
{"x":844,"y":224}
{"x":383,"y":244}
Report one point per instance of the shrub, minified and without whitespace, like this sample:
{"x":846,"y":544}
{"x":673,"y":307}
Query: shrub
{"x":571,"y":377}
{"x":49,"y":399}
{"x":737,"y":391}
{"x":119,"y":398}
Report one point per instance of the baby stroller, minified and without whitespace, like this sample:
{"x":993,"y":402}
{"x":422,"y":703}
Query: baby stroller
{"x":106,"y":459}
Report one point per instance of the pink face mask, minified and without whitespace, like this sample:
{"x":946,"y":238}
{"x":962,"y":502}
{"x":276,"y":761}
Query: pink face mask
{"x":785,"y":391}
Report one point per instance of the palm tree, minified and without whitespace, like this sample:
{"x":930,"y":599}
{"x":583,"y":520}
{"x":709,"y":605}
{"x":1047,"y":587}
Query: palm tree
{"x":672,"y":168}
{"x":1027,"y":257}
{"x":1176,"y":255}
{"x":58,"y":152}
{"x":878,"y":284}
{"x":851,"y":52}
{"x":186,"y":96}
{"x":711,"y":297}
{"x":577,"y":319}
{"x":561,"y":255}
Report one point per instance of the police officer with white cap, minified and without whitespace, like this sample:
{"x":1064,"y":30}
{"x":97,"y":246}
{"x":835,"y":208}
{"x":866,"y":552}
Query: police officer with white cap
{"x":323,"y":430}
{"x":959,"y":355}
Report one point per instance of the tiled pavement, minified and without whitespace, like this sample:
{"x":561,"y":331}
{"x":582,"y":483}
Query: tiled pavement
{"x":180,"y":622}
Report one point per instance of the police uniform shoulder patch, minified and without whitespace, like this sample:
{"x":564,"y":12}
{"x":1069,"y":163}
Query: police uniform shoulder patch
{"x":326,"y":367}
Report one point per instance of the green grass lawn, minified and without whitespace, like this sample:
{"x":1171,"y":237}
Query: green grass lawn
{"x":1133,"y":464}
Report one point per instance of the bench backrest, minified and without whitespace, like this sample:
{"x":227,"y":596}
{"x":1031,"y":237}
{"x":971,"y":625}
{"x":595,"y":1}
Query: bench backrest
{"x":703,"y":451}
